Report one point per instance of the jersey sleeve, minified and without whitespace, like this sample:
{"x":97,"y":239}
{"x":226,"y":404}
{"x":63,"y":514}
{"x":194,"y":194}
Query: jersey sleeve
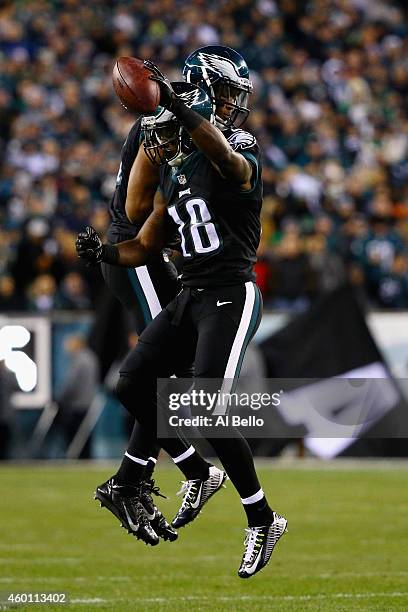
{"x":246,"y":144}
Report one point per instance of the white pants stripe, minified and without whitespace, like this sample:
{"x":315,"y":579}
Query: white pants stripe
{"x":146,"y":283}
{"x":238,"y":344}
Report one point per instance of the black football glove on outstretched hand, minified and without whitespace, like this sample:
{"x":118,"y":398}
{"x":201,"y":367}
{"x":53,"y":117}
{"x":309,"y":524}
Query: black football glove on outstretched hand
{"x":171,"y":101}
{"x":167,"y":95}
{"x":153,"y":68}
{"x":90,"y":248}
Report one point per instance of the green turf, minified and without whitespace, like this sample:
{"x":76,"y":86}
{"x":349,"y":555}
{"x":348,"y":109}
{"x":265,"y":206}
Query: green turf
{"x":346,"y":548}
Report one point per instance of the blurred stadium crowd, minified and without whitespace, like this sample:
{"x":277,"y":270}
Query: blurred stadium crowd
{"x":329,"y":110}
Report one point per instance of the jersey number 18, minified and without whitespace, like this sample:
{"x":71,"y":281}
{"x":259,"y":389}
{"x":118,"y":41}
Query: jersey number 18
{"x":198,"y":232}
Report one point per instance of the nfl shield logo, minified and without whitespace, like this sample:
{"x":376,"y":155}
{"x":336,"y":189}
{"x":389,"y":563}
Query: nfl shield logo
{"x":182,"y":179}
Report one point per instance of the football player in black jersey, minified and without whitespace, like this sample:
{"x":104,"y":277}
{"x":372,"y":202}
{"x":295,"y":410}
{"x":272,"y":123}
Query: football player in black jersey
{"x":217,"y":312}
{"x":145,"y":290}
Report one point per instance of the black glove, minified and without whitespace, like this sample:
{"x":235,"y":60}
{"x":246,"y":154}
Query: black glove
{"x":89,"y":246}
{"x":167,"y":95}
{"x":153,"y":68}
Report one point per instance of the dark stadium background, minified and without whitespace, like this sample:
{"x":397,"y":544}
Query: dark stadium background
{"x":329,"y":110}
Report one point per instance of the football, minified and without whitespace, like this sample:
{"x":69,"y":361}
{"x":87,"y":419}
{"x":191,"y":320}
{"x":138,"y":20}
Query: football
{"x":134,"y":88}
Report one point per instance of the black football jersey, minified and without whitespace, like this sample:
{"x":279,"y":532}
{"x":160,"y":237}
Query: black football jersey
{"x":121,"y":228}
{"x":218,"y":223}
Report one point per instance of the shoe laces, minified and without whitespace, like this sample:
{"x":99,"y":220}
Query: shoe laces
{"x":253,"y":542}
{"x":189,"y":488}
{"x":154,"y":489}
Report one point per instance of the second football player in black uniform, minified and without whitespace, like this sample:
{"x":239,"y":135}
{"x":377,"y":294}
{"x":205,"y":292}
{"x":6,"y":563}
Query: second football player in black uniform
{"x":143,"y":291}
{"x":214,"y":199}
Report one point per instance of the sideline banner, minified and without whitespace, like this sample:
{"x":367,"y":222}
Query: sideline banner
{"x":332,"y":340}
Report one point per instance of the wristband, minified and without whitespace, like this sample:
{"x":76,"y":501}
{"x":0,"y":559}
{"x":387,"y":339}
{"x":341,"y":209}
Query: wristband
{"x":110,"y":254}
{"x":189,"y":118}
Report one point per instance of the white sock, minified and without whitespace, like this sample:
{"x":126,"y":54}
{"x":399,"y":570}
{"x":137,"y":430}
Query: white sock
{"x":187,"y":453}
{"x":252,"y":499}
{"x":136,"y":459}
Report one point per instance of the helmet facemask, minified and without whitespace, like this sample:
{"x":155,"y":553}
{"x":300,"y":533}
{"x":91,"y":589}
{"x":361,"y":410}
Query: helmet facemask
{"x":166,"y":143}
{"x":165,"y":139}
{"x":231,"y":103}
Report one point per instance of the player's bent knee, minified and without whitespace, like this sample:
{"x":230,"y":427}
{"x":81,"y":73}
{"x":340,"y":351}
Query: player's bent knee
{"x":135,"y":393}
{"x":125,"y":390}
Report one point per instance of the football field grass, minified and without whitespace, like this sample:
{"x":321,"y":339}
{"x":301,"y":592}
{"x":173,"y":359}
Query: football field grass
{"x":347,"y":546}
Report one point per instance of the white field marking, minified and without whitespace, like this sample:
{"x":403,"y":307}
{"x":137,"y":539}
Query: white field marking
{"x":249,"y":598}
{"x":19,"y":547}
{"x":55,"y":579}
{"x":41,"y":561}
{"x":93,"y":600}
{"x":384,"y":573}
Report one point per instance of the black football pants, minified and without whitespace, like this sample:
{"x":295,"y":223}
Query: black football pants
{"x":143,"y":292}
{"x":212,"y":328}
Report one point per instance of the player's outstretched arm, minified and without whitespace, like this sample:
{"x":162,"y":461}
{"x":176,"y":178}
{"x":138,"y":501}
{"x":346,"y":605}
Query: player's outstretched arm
{"x":212,"y":142}
{"x":209,"y":139}
{"x":142,"y":186}
{"x":131,"y":253}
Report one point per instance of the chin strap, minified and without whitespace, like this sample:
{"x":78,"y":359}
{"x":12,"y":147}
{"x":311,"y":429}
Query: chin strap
{"x":220,"y":124}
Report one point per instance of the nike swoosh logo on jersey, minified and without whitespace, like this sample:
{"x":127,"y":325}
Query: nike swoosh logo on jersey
{"x":222,"y":303}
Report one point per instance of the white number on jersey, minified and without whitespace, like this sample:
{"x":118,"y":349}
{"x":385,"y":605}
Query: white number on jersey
{"x":200,"y":217}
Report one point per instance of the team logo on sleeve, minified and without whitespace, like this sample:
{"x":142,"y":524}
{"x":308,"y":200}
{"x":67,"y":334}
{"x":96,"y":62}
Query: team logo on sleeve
{"x":182,"y":179}
{"x":239,"y":140}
